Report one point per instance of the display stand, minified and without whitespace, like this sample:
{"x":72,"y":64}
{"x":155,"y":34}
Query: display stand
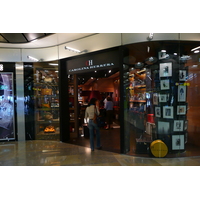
{"x":46,"y":104}
{"x":73,"y":106}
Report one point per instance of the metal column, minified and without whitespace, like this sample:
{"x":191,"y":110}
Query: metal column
{"x":20,"y":101}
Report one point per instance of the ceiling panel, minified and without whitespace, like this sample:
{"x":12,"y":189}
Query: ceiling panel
{"x":24,"y":40}
{"x":14,"y":37}
{"x":34,"y":36}
{"x":2,"y":39}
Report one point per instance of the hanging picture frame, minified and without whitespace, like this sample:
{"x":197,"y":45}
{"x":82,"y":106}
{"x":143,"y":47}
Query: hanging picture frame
{"x":178,"y":142}
{"x":168,"y":112}
{"x":185,"y":125}
{"x":163,"y":127}
{"x":181,"y":109}
{"x":182,"y":75}
{"x":165,"y":69}
{"x":157,"y":111}
{"x":181,"y":93}
{"x":164,"y":84}
{"x":162,"y":98}
{"x":178,"y":125}
{"x":155,"y":98}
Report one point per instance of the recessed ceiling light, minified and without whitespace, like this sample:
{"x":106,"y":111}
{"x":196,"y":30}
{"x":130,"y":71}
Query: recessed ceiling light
{"x":72,"y":49}
{"x":195,"y":48}
{"x":32,"y":58}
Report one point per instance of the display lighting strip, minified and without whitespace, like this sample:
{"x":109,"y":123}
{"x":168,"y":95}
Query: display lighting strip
{"x":195,"y":48}
{"x":32,"y":58}
{"x":72,"y":49}
{"x":53,"y":64}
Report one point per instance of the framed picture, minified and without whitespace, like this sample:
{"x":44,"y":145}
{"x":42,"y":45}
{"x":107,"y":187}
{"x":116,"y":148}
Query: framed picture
{"x":162,"y":98}
{"x":168,"y":112}
{"x":185,"y":125}
{"x":182,"y":75}
{"x":165,"y":69}
{"x":181,"y":93}
{"x":155,"y":99}
{"x":157,"y":111}
{"x":178,"y":125}
{"x":181,"y":110}
{"x":178,"y":142}
{"x":163,"y":127}
{"x":164,"y":84}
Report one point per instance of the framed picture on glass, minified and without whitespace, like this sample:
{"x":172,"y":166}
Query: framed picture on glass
{"x":185,"y":125}
{"x":165,"y":69}
{"x":181,"y":110}
{"x":164,"y":84}
{"x":157,"y":111}
{"x":168,"y":112}
{"x":181,"y":93}
{"x":178,"y":125}
{"x":182,"y":75}
{"x":178,"y":142}
{"x":162,"y":98}
{"x":163,"y":127}
{"x":155,"y":99}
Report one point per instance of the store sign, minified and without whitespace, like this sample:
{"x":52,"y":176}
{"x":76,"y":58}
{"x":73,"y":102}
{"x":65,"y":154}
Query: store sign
{"x":94,"y":62}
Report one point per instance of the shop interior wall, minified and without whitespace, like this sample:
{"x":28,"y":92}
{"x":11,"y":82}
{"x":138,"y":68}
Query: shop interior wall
{"x":105,"y":85}
{"x":193,"y":97}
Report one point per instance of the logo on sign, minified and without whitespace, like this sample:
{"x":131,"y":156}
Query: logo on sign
{"x":89,"y":63}
{"x":1,"y":67}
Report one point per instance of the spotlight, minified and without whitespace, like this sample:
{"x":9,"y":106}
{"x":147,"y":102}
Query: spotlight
{"x":32,"y":58}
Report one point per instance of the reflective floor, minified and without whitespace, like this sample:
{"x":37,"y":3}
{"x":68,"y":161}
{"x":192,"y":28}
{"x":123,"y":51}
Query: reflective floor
{"x":55,"y":153}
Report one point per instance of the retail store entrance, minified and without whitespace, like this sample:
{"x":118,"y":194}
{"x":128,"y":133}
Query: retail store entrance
{"x":95,"y":75}
{"x":99,"y":84}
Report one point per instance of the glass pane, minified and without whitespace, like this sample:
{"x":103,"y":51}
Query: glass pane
{"x":163,"y":93}
{"x":46,"y":101}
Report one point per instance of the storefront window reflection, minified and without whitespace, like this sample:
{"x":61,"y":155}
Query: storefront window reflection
{"x":162,"y":100}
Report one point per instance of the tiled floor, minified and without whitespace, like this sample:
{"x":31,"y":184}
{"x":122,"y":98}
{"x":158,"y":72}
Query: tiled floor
{"x":55,"y":153}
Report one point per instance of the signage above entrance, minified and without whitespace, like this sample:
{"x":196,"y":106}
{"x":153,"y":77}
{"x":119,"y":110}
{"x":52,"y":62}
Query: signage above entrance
{"x":105,"y":60}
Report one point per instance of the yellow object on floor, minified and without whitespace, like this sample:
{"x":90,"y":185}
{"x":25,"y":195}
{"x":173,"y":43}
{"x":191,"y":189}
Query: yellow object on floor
{"x":159,"y":148}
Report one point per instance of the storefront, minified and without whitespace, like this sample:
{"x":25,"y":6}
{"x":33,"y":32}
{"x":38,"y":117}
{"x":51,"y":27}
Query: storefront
{"x":153,"y":83}
{"x":93,"y":75}
{"x":161,"y":101}
{"x":8,"y":110}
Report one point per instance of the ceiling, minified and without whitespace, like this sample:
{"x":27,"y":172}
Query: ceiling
{"x":38,"y":40}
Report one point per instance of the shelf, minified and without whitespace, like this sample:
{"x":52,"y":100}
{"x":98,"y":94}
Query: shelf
{"x":142,"y":101}
{"x":47,"y":122}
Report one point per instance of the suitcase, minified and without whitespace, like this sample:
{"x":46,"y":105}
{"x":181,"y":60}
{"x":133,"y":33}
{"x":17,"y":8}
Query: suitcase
{"x":86,"y":131}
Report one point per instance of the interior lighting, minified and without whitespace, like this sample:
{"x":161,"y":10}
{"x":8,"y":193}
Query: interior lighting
{"x":197,"y":51}
{"x":175,"y":54}
{"x":195,"y":48}
{"x":32,"y":58}
{"x":53,"y":64}
{"x":109,"y":71}
{"x":72,"y":49}
{"x":164,"y":51}
{"x":95,"y":71}
{"x":91,"y":77}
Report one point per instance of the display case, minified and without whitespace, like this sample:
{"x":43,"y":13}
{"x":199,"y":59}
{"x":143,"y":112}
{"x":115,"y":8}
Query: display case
{"x":73,"y":106}
{"x":137,"y":97}
{"x":46,"y":94}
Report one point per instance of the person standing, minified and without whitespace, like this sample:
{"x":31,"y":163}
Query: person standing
{"x":109,"y":113}
{"x":91,"y":110}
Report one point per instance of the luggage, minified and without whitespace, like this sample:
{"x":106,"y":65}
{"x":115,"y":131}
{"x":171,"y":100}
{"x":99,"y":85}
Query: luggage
{"x":86,"y":131}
